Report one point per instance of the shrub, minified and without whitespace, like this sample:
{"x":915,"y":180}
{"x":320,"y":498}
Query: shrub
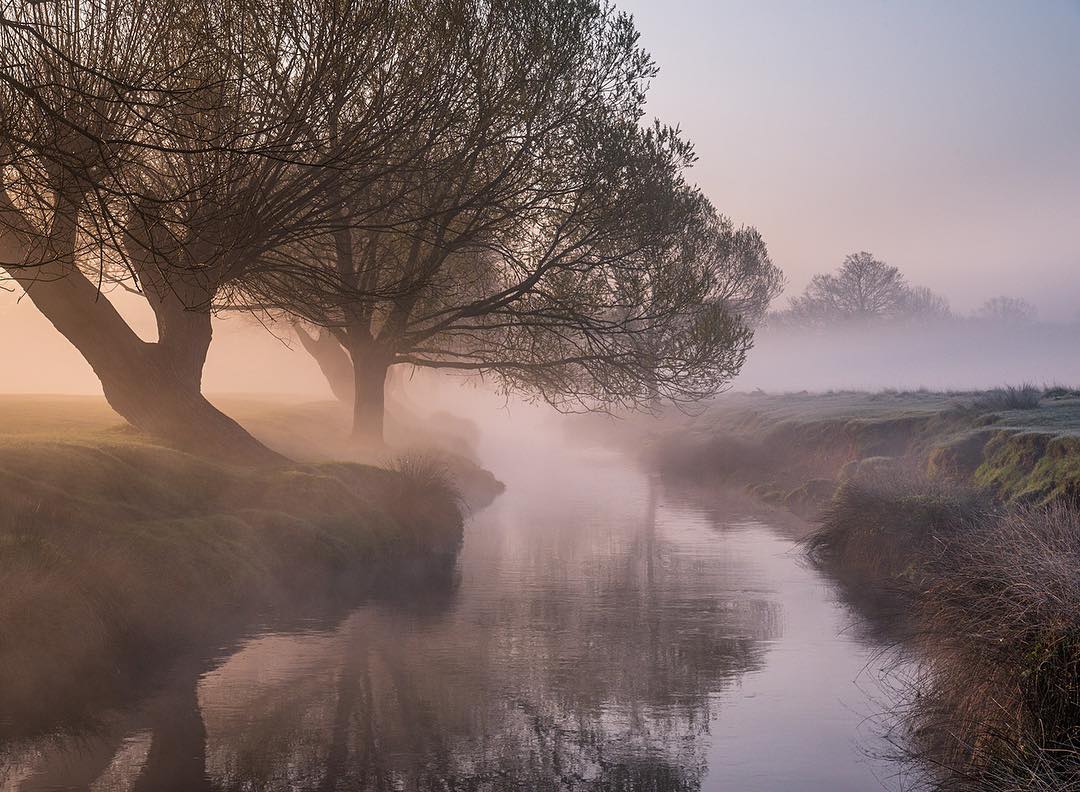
{"x":1011,"y":397}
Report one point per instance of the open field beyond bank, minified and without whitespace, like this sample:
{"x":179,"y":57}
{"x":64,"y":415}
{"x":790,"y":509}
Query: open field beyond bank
{"x":1020,"y":445}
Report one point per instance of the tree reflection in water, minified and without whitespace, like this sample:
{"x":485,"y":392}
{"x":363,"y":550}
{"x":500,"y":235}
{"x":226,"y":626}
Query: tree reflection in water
{"x":584,"y":652}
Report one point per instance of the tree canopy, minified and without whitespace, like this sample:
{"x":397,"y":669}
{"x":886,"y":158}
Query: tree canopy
{"x":1009,"y":310}
{"x":464,"y":184}
{"x":553,"y":242}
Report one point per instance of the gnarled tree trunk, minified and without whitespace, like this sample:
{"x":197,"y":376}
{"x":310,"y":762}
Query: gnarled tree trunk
{"x":156,"y":387}
{"x":333,"y":361}
{"x":157,"y":397}
{"x":371,"y":364}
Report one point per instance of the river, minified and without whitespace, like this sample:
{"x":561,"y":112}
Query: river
{"x":598,"y":632}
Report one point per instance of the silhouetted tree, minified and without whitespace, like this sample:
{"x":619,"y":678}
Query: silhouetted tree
{"x":463,"y":185}
{"x":561,"y":252}
{"x":1010,"y":310}
{"x":922,"y":303}
{"x":190,"y":153}
{"x":863,"y":289}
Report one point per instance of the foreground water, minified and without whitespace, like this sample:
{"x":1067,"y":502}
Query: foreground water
{"x":598,"y":632}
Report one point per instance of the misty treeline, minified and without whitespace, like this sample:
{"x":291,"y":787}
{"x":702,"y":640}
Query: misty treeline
{"x":866,"y":289}
{"x":463,"y":184}
{"x":865,"y":325}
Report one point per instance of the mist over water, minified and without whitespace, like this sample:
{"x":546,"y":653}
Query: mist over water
{"x":599,"y":629}
{"x":297,"y":299}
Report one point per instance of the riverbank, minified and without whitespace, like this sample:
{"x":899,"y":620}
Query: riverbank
{"x":949,"y":520}
{"x":1018,"y":445}
{"x":119,"y":553}
{"x":984,"y":596}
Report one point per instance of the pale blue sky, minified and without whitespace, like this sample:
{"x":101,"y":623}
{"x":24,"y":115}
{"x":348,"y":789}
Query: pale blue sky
{"x":942,"y":136}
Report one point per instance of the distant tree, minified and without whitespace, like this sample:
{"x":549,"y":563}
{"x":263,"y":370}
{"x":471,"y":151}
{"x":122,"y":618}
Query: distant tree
{"x":1008,"y":310}
{"x":922,"y":303}
{"x":862,"y":289}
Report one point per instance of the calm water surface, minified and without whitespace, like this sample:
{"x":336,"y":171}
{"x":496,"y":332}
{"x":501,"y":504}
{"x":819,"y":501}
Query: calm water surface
{"x":597,"y":633}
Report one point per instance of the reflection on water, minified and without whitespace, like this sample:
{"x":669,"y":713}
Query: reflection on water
{"x":600,"y":634}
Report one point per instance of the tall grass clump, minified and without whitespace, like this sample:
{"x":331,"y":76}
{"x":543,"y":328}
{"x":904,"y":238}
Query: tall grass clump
{"x":1011,"y":397}
{"x":422,"y":492}
{"x":998,"y":634}
{"x":886,"y":519}
{"x":989,"y":607}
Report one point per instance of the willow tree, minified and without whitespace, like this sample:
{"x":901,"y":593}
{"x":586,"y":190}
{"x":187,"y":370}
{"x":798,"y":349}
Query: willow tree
{"x":184,"y":151}
{"x":549,"y":241}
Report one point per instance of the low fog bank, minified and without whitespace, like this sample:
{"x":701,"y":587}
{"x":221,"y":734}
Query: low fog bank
{"x":957,"y":354}
{"x":247,"y":359}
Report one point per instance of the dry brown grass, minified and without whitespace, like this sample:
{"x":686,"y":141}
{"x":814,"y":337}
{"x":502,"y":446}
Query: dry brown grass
{"x":886,"y":521}
{"x":990,"y":611}
{"x":998,"y":636}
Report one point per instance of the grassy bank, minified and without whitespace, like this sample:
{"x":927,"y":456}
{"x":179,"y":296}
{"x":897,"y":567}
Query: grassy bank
{"x":950,"y":521}
{"x":1020,"y":445}
{"x":321,"y":431}
{"x":985,"y":595}
{"x":117,"y":552}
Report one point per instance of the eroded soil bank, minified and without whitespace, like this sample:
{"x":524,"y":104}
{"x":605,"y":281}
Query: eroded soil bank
{"x":795,"y":449}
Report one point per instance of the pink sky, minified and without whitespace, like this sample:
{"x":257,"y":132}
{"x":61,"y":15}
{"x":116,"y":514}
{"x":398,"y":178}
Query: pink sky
{"x":943,"y":137}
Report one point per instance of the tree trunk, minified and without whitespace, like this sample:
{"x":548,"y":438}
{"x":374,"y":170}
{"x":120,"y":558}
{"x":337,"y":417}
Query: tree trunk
{"x":359,"y":376}
{"x":333,"y":361}
{"x":155,"y":387}
{"x":156,"y":398}
{"x":370,"y":368}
